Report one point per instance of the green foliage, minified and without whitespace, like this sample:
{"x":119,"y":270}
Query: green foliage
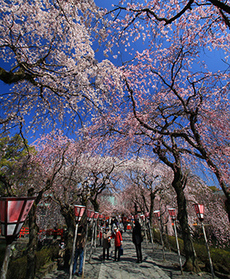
{"x":12,"y":150}
{"x":17,"y":267}
{"x":45,"y":255}
{"x":172,"y":242}
{"x":214,"y":188}
{"x":14,"y":155}
{"x":221,"y":260}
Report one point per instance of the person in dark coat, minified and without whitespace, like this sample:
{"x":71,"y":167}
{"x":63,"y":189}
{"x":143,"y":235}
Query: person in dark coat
{"x":106,"y":242}
{"x":137,"y":239}
{"x":79,"y":250}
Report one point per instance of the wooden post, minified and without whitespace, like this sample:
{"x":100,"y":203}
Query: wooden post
{"x":207,"y":247}
{"x":162,"y":242}
{"x":73,"y":252}
{"x":84,"y":255}
{"x":178,"y":247}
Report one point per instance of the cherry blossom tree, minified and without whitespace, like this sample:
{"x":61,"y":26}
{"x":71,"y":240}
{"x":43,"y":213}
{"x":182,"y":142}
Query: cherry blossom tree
{"x":195,"y":91}
{"x":83,"y":176}
{"x":22,"y":173}
{"x":53,"y":149}
{"x":170,"y":155}
{"x":196,"y":191}
{"x":48,"y":59}
{"x":197,"y":113}
{"x":159,"y":11}
{"x":44,"y":176}
{"x":144,"y":179}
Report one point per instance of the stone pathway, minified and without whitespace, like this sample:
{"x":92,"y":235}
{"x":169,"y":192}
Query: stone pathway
{"x":152,"y":267}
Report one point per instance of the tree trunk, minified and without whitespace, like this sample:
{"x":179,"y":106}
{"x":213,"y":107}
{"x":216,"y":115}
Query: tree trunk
{"x":68,"y":237}
{"x":152,"y":198}
{"x":32,"y":246}
{"x":191,"y":260}
{"x":33,"y":238}
{"x":95,"y":204}
{"x":135,"y":209}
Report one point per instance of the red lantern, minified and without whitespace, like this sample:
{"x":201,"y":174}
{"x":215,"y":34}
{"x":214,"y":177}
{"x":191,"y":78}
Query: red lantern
{"x":101,"y":216}
{"x":199,"y":208}
{"x":157,"y":213}
{"x":172,"y":213}
{"x":13,"y":212}
{"x":147,"y":214}
{"x":96,"y":215}
{"x":142,"y":216}
{"x":90,"y":214}
{"x":79,"y":211}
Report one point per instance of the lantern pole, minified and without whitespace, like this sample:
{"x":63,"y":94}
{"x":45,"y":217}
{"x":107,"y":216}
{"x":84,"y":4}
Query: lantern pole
{"x":199,"y":208}
{"x":172,"y":213}
{"x":79,"y":211}
{"x":207,"y":247}
{"x":90,"y":214}
{"x":93,"y":239}
{"x":101,"y":223}
{"x":158,"y":215}
{"x":73,"y":251}
{"x":96,"y":216}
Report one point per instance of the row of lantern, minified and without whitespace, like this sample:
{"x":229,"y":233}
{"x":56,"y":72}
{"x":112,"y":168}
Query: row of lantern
{"x":91,"y":214}
{"x":199,"y":209}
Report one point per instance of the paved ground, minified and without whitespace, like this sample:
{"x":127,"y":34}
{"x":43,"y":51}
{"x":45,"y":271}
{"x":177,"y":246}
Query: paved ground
{"x":152,"y":267}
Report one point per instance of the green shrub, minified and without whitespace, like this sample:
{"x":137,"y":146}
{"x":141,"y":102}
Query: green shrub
{"x":172,"y":243}
{"x":220,"y":257}
{"x":17,"y":268}
{"x":156,"y":235}
{"x":47,"y":254}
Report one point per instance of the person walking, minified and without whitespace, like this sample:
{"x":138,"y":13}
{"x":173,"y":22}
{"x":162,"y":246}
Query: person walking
{"x":106,"y":242}
{"x":118,"y":242}
{"x":137,"y":239}
{"x":100,"y":235}
{"x":79,"y":250}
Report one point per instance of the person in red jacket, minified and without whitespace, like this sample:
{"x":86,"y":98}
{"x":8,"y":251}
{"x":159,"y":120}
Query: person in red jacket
{"x":118,"y":242}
